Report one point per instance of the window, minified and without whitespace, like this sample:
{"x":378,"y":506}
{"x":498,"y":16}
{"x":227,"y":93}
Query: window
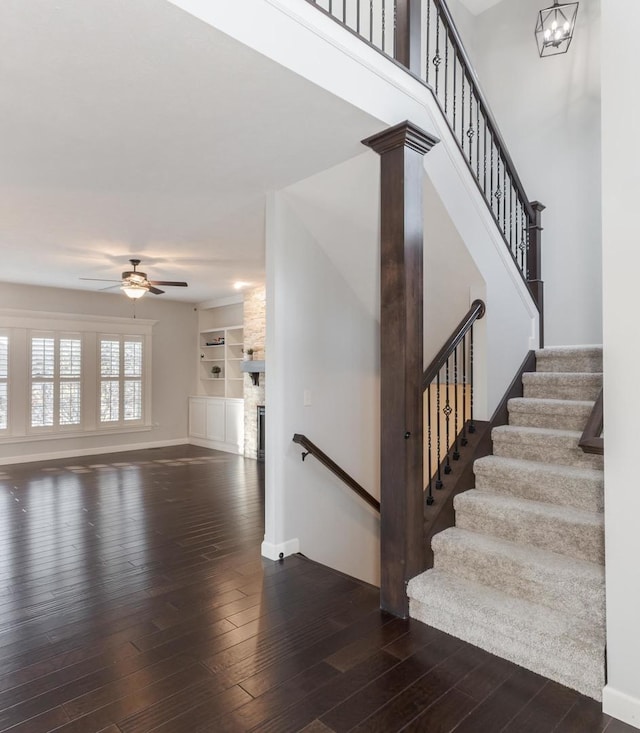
{"x":56,"y":366}
{"x":68,"y":375}
{"x":121,"y":379}
{"x":4,"y":376}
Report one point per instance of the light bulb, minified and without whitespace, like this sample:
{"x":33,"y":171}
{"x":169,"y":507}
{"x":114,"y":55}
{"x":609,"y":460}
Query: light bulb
{"x":554,"y":25}
{"x":547,"y":34}
{"x":566,"y":27}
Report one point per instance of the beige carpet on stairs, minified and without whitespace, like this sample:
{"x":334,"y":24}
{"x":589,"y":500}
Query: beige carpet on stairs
{"x":522,"y":572}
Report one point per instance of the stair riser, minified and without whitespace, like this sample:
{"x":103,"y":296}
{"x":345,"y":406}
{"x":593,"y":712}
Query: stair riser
{"x":536,"y":652}
{"x":551,"y":452}
{"x":579,"y":495}
{"x":555,"y":422}
{"x":558,"y":390}
{"x":591,"y":364}
{"x":581,"y":596}
{"x":577,"y":541}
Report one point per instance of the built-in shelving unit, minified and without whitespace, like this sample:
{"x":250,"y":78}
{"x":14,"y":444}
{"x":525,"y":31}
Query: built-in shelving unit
{"x":222,"y":347}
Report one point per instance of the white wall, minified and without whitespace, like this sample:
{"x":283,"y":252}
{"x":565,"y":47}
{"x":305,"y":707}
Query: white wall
{"x":174,"y":353}
{"x":322,"y":339}
{"x":621,"y":264}
{"x":451,"y":278}
{"x":549,"y":113}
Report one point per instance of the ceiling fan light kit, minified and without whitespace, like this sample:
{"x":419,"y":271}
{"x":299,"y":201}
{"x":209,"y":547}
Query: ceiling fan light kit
{"x":134,"y":283}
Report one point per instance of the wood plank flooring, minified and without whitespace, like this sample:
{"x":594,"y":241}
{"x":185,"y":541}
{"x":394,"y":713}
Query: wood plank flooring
{"x":133,"y":598}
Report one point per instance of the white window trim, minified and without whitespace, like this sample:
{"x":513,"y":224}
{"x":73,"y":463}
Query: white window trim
{"x":57,"y":381}
{"x":18,"y":323}
{"x":145,"y":421}
{"x":4,"y":333}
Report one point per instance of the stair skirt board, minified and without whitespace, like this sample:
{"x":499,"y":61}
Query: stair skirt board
{"x":521,"y":574}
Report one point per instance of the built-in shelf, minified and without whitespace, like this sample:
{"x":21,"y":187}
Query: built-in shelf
{"x":227,"y":355}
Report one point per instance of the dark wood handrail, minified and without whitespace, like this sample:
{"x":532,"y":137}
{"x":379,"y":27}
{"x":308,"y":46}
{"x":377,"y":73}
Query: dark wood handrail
{"x":465,"y":61}
{"x":312,"y":448}
{"x":476,"y":312}
{"x":592,"y":440}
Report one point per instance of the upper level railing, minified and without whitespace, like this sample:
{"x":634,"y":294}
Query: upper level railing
{"x":421,"y":35}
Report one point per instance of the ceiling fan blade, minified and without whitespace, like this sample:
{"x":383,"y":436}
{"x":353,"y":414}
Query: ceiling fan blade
{"x":110,"y":287}
{"x":99,"y":279}
{"x":168,"y":282}
{"x":155,"y":291}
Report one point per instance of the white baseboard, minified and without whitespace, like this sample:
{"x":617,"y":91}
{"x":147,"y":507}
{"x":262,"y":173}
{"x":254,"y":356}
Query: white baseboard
{"x":272,"y":552}
{"x":621,"y":706}
{"x":216,"y":445}
{"x":97,"y":451}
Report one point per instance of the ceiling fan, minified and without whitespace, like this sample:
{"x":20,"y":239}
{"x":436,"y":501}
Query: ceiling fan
{"x":135,"y":284}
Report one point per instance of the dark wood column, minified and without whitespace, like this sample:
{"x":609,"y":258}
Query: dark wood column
{"x":534,"y":263}
{"x":408,"y":34}
{"x":401,"y":149}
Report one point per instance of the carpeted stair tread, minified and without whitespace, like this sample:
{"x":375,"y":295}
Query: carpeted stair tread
{"x":556,"y":645}
{"x":537,"y":412}
{"x":562,"y":385}
{"x":563,"y":530}
{"x":546,"y":445}
{"x":566,"y":584}
{"x":573,"y":486}
{"x":569,"y":359}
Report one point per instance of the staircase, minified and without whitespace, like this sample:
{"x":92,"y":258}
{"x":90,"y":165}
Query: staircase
{"x":522,"y":572}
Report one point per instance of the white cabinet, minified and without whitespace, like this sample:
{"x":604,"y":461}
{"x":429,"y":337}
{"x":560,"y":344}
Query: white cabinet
{"x":217,"y":422}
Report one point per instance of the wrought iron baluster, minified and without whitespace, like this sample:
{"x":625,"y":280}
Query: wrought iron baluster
{"x":462,"y":115}
{"x":446,"y":410}
{"x":464,"y":440}
{"x":427,"y":42}
{"x":439,"y":483}
{"x":515,"y":251}
{"x":472,"y":425}
{"x":384,"y":22}
{"x":436,"y":58}
{"x":455,"y":95}
{"x":477,"y":141}
{"x":430,"y":499}
{"x":456,"y":447}
{"x":371,"y":21}
{"x":358,"y":17}
{"x":504,"y":201}
{"x":498,"y":191}
{"x":491,"y":199}
{"x":484,"y":155}
{"x":470,"y":130}
{"x":344,"y":11}
{"x":446,"y":71}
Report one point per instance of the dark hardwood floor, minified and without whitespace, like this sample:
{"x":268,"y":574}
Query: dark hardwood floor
{"x":133,"y":598}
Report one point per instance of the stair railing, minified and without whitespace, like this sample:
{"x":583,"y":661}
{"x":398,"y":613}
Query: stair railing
{"x":442,"y":63}
{"x":448,"y":388}
{"x":312,"y":449}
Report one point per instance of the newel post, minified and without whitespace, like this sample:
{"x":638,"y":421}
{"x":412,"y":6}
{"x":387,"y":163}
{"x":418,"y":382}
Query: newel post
{"x":408,"y":34}
{"x":401,"y":149}
{"x":534,"y":263}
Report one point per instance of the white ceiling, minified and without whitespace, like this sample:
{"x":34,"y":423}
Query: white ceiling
{"x":133,"y":129}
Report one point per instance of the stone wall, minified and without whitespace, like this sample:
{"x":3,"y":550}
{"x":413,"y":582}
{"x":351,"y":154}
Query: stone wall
{"x":254,"y":337}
